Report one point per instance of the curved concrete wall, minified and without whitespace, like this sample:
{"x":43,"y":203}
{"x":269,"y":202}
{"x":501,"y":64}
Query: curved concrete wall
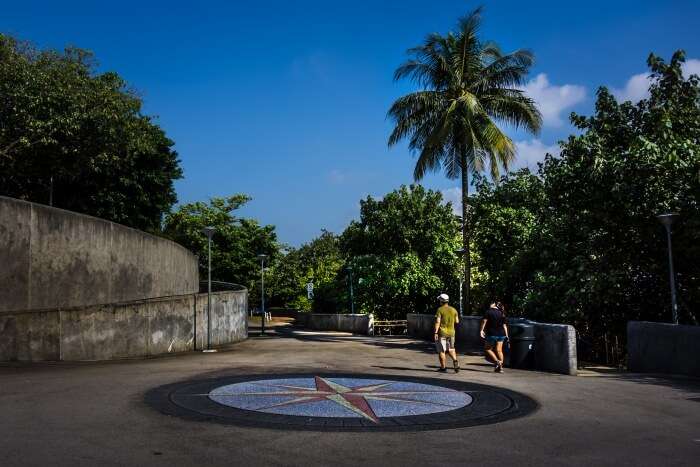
{"x":131,"y":329}
{"x":51,"y":258}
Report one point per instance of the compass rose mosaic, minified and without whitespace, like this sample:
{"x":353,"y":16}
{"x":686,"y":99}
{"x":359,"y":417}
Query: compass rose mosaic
{"x":316,"y":396}
{"x":340,"y":402}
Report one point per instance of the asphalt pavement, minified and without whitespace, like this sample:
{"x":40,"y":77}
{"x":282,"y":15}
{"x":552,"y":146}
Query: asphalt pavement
{"x":94,"y":413}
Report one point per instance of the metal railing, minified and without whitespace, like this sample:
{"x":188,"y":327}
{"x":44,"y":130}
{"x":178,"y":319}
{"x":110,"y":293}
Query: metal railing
{"x":390,"y":327}
{"x":219,"y":286}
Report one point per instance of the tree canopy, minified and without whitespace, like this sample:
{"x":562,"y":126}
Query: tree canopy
{"x":318,"y":262}
{"x":79,"y":138}
{"x":403,"y":251}
{"x":580,"y":242}
{"x":235,"y":244}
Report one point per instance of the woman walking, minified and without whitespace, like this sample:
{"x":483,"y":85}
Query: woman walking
{"x":494,"y":330}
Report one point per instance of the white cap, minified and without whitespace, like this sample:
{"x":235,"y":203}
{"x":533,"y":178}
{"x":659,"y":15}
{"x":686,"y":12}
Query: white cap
{"x":443,"y":297}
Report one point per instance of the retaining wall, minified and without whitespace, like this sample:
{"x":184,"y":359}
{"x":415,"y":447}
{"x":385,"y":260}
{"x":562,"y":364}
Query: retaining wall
{"x":663,"y":348}
{"x":555,"y":344}
{"x":356,"y":324}
{"x":52,"y":258}
{"x":131,"y":329}
{"x":467,"y":331}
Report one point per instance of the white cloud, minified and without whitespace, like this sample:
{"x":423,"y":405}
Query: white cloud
{"x":637,"y":87}
{"x":691,"y":67}
{"x":530,"y":152}
{"x":553,"y":100}
{"x":454,"y":196}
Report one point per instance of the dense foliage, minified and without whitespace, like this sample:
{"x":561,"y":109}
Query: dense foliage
{"x":235,"y":244}
{"x":79,"y":137}
{"x":404,"y":251}
{"x":506,"y":220}
{"x":581,"y":243}
{"x":318,"y":262}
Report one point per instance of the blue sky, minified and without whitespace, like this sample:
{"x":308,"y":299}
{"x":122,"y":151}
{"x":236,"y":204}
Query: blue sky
{"x":286,"y":101}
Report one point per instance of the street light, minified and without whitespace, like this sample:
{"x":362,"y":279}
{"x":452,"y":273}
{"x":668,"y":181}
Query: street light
{"x":461,"y":284}
{"x":667,"y":219}
{"x":262,"y":289}
{"x":352,"y":298}
{"x":209,"y":232}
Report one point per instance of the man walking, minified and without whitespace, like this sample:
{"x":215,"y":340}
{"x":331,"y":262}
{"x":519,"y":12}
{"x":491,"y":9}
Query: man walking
{"x":445,"y":320}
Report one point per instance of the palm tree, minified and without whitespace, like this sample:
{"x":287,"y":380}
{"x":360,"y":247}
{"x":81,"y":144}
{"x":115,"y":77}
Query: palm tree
{"x":467,"y":86}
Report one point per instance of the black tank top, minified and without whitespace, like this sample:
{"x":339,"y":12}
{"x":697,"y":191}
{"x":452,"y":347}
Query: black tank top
{"x":495,"y":320}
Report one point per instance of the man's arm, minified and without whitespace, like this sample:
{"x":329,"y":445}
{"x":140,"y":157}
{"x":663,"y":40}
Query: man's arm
{"x":483,"y":326}
{"x":437,"y":326}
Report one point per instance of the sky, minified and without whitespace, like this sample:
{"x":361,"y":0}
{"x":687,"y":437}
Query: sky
{"x":286,"y":101}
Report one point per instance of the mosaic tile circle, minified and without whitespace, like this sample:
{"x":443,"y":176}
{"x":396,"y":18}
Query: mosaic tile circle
{"x":340,"y":402}
{"x":317,"y":396}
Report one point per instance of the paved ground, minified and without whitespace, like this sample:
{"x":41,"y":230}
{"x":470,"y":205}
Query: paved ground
{"x":94,"y":414}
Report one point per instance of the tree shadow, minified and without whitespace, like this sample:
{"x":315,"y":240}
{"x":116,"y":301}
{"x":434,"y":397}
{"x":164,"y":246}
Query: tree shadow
{"x":687,"y":384}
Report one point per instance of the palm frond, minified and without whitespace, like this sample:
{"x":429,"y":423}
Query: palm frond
{"x":513,"y":107}
{"x":413,"y":110}
{"x":468,"y":87}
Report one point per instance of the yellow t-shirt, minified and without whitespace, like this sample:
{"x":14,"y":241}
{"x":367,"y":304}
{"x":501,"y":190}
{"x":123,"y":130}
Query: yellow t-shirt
{"x":448,"y":317}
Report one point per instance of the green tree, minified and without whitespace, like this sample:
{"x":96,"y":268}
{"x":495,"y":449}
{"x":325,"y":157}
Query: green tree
{"x":235,"y":244}
{"x":75,"y":135}
{"x":402,"y":251}
{"x":319,"y":262}
{"x":506,"y":222}
{"x":603,"y":251}
{"x":468,"y":86}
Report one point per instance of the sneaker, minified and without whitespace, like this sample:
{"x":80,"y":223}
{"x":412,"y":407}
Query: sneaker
{"x":456,"y":365}
{"x":442,"y":370}
{"x":499,"y":368}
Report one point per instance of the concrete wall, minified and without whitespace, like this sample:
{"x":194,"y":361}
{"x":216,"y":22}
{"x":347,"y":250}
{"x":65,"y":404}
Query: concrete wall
{"x":131,"y":329}
{"x":467,"y":331}
{"x":356,"y":324}
{"x":555,"y":344}
{"x":53,"y":258}
{"x":663,"y":348}
{"x":555,"y":348}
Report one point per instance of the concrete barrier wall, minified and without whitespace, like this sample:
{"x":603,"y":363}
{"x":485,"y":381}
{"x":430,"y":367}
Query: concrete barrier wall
{"x":467,"y":337}
{"x":555,"y":344}
{"x":131,"y":329}
{"x":356,"y":324}
{"x":663,"y":348}
{"x":53,"y":258}
{"x":555,"y":348}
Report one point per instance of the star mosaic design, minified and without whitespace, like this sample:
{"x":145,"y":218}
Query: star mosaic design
{"x":274,"y":395}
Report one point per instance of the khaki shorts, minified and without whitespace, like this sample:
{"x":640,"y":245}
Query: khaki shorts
{"x":444,"y":344}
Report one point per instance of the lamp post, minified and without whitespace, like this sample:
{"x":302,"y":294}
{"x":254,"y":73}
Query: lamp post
{"x":461,"y":283}
{"x":209,"y":232}
{"x":667,"y":219}
{"x":262,"y":290}
{"x":352,"y":298}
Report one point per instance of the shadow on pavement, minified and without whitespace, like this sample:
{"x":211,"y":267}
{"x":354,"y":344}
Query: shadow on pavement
{"x":433,"y":369}
{"x":682,"y":383}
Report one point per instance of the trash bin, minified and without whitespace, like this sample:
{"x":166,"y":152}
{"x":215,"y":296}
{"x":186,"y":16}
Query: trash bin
{"x":521,"y":344}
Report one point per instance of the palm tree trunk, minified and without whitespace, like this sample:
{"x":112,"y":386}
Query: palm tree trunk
{"x":466,"y":285}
